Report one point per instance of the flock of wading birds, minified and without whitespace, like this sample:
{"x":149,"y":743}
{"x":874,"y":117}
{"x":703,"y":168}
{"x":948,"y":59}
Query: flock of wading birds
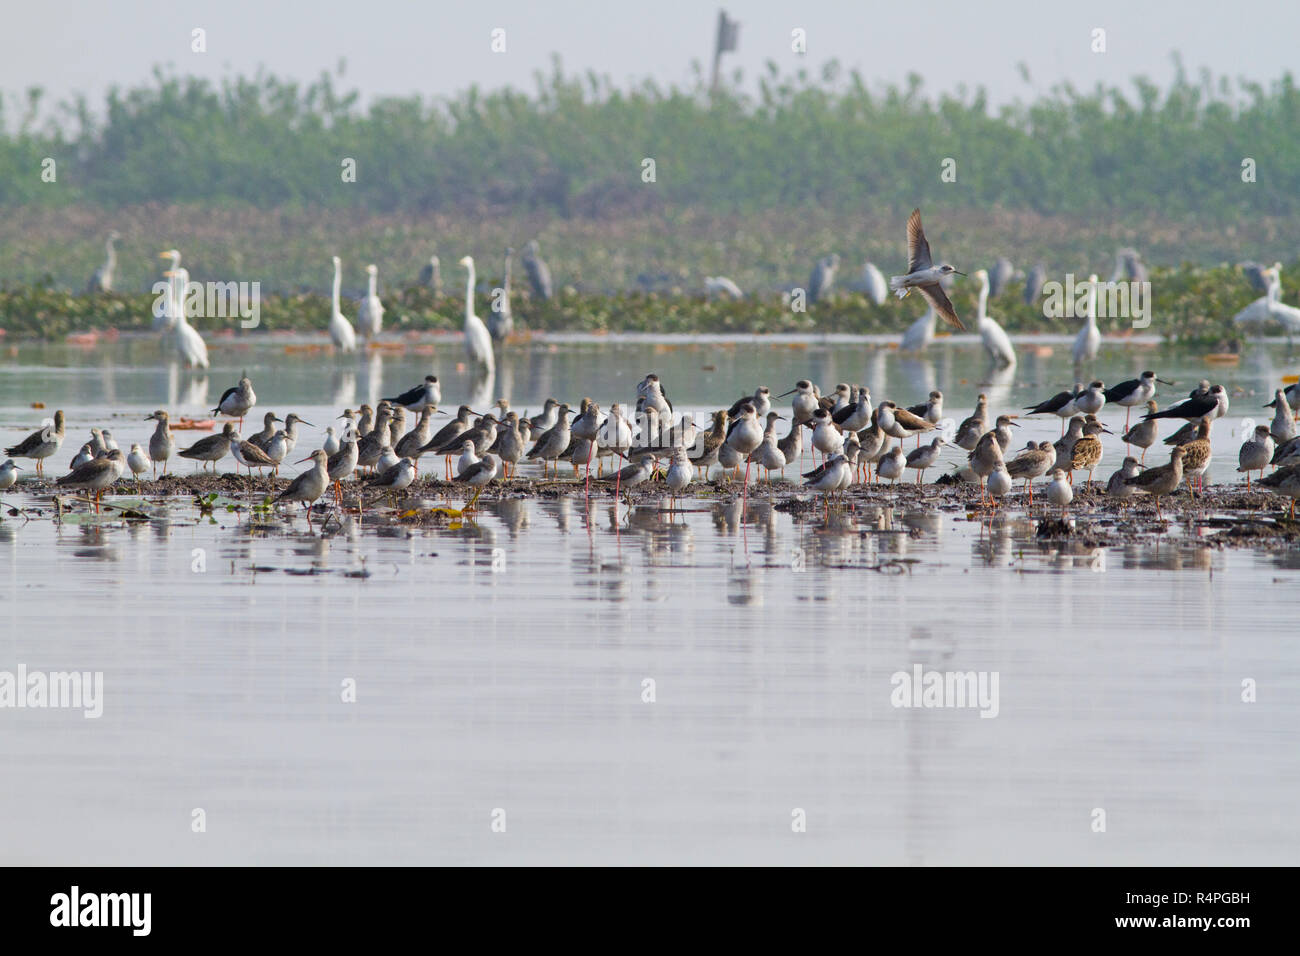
{"x":850,"y":434}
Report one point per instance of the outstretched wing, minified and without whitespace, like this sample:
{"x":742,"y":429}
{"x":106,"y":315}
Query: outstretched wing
{"x":918,"y":250}
{"x":935,"y":295}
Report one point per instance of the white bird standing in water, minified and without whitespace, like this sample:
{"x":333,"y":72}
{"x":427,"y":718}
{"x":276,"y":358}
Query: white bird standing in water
{"x":923,"y":275}
{"x":370,"y":317}
{"x":478,"y":341}
{"x":341,"y":332}
{"x":920,"y":333}
{"x":1088,"y":341}
{"x":102,"y":280}
{"x":187,"y":342}
{"x":996,"y":341}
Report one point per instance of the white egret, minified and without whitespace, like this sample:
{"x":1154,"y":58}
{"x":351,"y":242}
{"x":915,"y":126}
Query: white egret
{"x":187,"y":342}
{"x":920,"y":333}
{"x":478,"y":341}
{"x":171,"y":306}
{"x":341,"y":331}
{"x":1271,"y":308}
{"x":996,"y":341}
{"x":370,"y":317}
{"x":1088,"y":341}
{"x":102,"y":280}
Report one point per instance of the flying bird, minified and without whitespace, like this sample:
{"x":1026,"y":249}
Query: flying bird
{"x":923,"y":275}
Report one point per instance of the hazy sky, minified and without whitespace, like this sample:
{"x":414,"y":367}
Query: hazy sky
{"x":395,"y":47}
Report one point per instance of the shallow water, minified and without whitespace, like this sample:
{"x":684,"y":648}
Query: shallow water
{"x":501,"y":664}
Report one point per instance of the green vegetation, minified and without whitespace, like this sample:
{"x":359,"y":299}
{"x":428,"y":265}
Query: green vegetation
{"x":1191,"y":304}
{"x":575,"y":147}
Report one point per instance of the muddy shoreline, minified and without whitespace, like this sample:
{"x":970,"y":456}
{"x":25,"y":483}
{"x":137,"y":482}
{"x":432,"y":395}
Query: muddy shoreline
{"x":1220,"y":516}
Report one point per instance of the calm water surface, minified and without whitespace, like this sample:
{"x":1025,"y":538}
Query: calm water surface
{"x":502,"y":665}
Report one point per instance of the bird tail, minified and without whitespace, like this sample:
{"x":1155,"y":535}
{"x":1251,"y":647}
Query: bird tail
{"x":896,"y":286}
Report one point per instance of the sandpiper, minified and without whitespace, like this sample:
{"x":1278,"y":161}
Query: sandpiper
{"x":713,"y":441}
{"x":985,"y":458}
{"x":429,"y":392}
{"x":998,"y":483}
{"x":586,"y":428}
{"x":331,"y":443}
{"x":291,"y":423}
{"x":1059,"y":491}
{"x":509,"y":446}
{"x":1197,"y":455}
{"x":263,"y":438}
{"x":833,"y":475}
{"x":371,"y":445}
{"x":138,"y":462}
{"x":1135,"y":391}
{"x":213,"y":448}
{"x":552,"y":443}
{"x":237,"y":400}
{"x":394,"y":478}
{"x":311,"y":484}
{"x":545,"y":420}
{"x":680,"y":473}
{"x":469,"y":457}
{"x":768,"y":455}
{"x":972,"y":429}
{"x":387,"y":459}
{"x":1292,"y":396}
{"x":923,"y":275}
{"x":1161,"y":480}
{"x":396,"y":424}
{"x":1087,"y":451}
{"x":341,"y":465}
{"x":1117,"y":486}
{"x":80,"y":458}
{"x":1284,"y":481}
{"x":8,"y":474}
{"x":1065,"y":444}
{"x":900,"y":423}
{"x":365,"y":421}
{"x":891,"y":465}
{"x":479,"y":475}
{"x":1257,"y":452}
{"x":412,"y":443}
{"x":249,"y":455}
{"x":1003,"y":430}
{"x":1034,"y":462}
{"x":446,"y":436}
{"x":1283,"y":427}
{"x":871,"y":442}
{"x":924,"y":457}
{"x":1145,"y":432}
{"x":95,"y":475}
{"x":40,"y":444}
{"x":110,"y":443}
{"x":761,"y":399}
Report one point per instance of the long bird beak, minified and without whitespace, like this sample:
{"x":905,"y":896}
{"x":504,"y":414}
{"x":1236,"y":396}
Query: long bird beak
{"x":962,"y":274}
{"x":164,"y":255}
{"x":1014,"y":424}
{"x":301,"y":421}
{"x":791,"y":392}
{"x":301,"y":460}
{"x":1163,"y":382}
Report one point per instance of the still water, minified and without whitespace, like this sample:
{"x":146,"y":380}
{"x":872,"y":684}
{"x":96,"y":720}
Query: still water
{"x":616,"y":687}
